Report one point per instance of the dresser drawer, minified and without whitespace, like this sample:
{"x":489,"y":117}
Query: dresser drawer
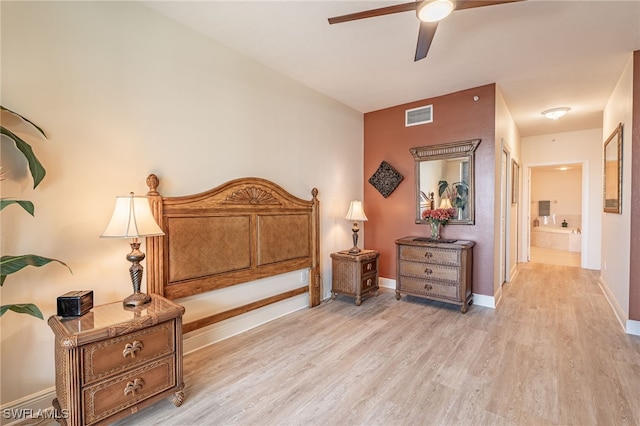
{"x":115,"y":355}
{"x":369,"y":266}
{"x":430,"y":271}
{"x":430,"y":254}
{"x":441,"y":290}
{"x":106,"y":398}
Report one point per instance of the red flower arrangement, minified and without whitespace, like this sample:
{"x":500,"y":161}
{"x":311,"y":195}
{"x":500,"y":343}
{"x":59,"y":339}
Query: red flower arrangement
{"x":437,"y":217}
{"x":441,"y":216}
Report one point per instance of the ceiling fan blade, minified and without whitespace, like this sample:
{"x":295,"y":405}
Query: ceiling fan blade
{"x":425,"y":37}
{"x":405,"y":7}
{"x":470,"y":4}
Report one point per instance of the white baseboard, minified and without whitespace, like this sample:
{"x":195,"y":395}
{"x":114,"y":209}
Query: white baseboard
{"x":633,"y":327}
{"x":484,"y":300}
{"x":387,"y":283}
{"x":34,"y":406}
{"x":629,"y":326}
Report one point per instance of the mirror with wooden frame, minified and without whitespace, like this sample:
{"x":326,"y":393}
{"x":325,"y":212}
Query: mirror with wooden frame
{"x":444,"y":179}
{"x":612,"y":186}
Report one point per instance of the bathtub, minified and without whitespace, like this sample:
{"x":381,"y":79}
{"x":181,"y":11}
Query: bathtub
{"x":555,"y":237}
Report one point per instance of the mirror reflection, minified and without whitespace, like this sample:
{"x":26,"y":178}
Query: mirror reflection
{"x":444,"y":179}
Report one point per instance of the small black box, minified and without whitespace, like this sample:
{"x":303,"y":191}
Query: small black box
{"x":75,"y":303}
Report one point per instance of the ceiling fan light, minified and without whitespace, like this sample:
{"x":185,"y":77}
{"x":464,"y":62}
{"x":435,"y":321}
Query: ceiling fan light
{"x":434,"y":11}
{"x":555,"y":113}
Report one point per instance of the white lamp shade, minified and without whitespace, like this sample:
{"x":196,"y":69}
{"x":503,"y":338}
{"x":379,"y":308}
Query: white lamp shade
{"x":356,"y":211}
{"x":445,"y":203}
{"x":132,"y":218}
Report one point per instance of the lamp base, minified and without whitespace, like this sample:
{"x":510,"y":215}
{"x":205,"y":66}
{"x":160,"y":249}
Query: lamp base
{"x":137,"y":299}
{"x":355,"y":249}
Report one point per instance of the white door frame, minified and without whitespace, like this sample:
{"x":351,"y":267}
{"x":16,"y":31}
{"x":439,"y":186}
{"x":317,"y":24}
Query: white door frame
{"x":505,"y":214}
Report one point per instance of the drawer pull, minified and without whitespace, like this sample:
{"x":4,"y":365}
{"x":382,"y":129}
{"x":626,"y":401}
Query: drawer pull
{"x":428,"y":255}
{"x":428,"y":287}
{"x":428,"y":271}
{"x":369,"y":281}
{"x":132,"y":348}
{"x":133,"y":387}
{"x":369,"y":266}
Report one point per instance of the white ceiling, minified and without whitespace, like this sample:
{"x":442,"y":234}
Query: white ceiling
{"x":541,"y":54}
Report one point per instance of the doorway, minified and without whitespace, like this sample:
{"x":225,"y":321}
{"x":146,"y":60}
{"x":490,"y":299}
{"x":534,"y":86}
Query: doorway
{"x":556,"y":219}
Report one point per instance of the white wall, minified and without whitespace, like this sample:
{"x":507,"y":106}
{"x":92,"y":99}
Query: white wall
{"x":616,"y":228}
{"x":123,"y":92}
{"x":583,"y":147}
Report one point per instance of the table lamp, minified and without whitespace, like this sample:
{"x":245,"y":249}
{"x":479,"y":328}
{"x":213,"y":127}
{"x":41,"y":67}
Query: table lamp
{"x":132,"y":218}
{"x":355,"y":213}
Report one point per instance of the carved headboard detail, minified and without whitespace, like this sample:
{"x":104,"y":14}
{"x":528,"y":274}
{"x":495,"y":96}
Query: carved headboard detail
{"x":241,"y":231}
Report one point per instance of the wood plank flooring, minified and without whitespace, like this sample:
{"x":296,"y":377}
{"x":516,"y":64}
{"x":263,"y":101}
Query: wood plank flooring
{"x":554,"y":256}
{"x":551,"y":354}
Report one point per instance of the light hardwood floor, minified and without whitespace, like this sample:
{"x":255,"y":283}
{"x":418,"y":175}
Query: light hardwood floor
{"x":554,"y":257}
{"x":551,"y":353}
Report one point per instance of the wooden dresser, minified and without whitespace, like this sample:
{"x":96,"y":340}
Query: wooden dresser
{"x":354,"y":274}
{"x":435,"y":270}
{"x":113,"y":361}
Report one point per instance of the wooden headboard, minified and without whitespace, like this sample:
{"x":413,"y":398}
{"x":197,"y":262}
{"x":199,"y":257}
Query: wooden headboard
{"x":241,"y":231}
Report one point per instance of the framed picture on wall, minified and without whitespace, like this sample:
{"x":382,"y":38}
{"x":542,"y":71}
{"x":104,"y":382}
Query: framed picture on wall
{"x":612,"y":185}
{"x":515,"y":180}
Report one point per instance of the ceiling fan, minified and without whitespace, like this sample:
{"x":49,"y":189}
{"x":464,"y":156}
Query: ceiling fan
{"x":429,"y":12}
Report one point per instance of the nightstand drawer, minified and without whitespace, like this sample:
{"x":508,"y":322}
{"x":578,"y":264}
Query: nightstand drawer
{"x":430,"y":271}
{"x":115,"y":355}
{"x":368,"y":283}
{"x":369,"y":266}
{"x":430,"y":254}
{"x":430,"y":288}
{"x":111,"y":396}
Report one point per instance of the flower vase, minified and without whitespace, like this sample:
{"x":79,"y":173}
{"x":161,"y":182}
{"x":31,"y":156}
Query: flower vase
{"x":435,"y":230}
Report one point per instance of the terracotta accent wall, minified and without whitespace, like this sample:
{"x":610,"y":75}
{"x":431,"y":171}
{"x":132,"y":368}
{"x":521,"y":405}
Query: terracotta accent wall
{"x":456,"y":117}
{"x":634,"y":273}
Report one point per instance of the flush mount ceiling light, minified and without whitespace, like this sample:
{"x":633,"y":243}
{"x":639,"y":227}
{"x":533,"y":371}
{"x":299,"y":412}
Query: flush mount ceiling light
{"x":555,"y":113}
{"x":434,"y":11}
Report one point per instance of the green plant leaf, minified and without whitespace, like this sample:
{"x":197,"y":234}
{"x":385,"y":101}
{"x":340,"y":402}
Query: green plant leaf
{"x":442,"y":187}
{"x":27,"y":205}
{"x":462,"y":188}
{"x":25,"y":308}
{"x":25,"y":119}
{"x":12,"y":264}
{"x":35,"y":167}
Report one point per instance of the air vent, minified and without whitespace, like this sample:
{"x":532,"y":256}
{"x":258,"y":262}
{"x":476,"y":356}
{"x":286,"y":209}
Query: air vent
{"x":416,"y":116}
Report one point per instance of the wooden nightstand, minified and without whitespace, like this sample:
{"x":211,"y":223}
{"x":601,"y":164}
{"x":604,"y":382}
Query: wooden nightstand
{"x":113,"y":360}
{"x":354,"y":274}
